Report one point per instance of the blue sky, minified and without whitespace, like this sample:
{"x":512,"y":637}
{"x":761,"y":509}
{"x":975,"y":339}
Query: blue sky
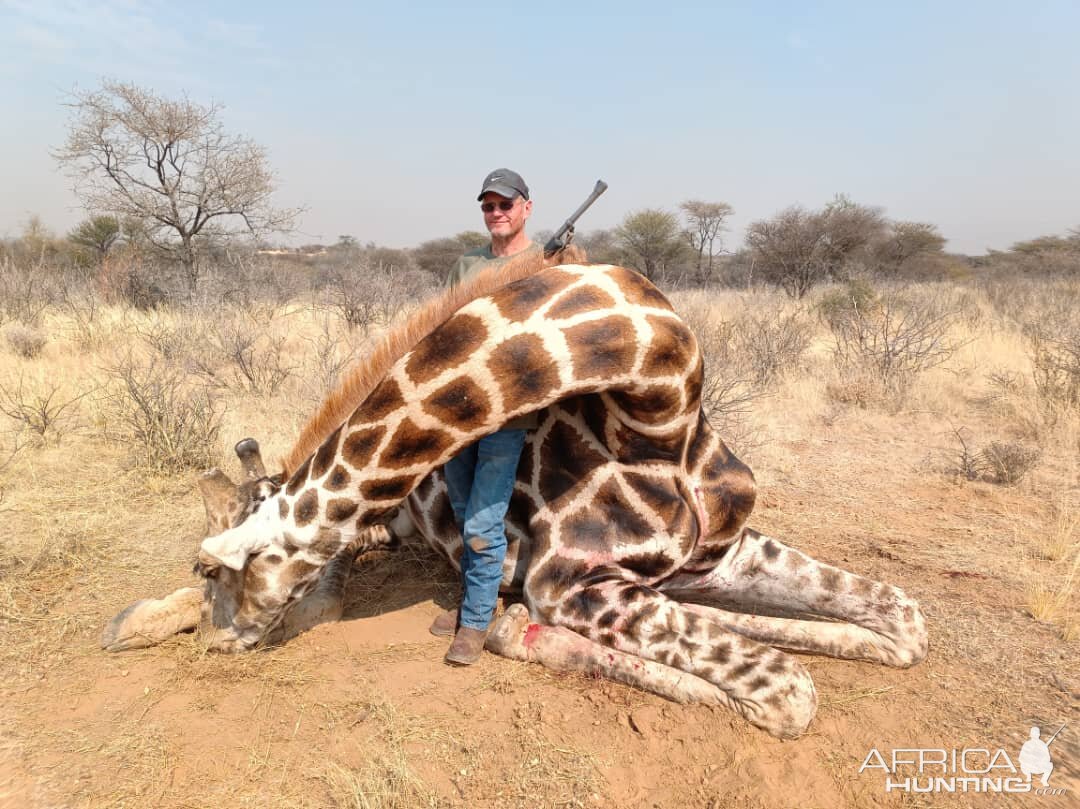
{"x":381,"y":119}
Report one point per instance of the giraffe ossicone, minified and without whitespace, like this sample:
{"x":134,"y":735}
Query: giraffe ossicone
{"x":628,"y":540}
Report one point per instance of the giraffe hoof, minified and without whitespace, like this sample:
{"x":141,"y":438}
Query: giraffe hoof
{"x":118,"y":635}
{"x":508,"y":635}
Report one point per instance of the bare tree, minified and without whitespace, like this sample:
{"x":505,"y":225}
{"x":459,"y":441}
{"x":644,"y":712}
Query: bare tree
{"x":706,"y":220}
{"x":787,"y":249}
{"x":170,"y":165}
{"x":798,"y":248}
{"x":851,"y":230}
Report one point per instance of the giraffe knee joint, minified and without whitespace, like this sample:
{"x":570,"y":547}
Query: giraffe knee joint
{"x":912,"y":641}
{"x":901,"y":640}
{"x":787,"y":712}
{"x":799,"y":701}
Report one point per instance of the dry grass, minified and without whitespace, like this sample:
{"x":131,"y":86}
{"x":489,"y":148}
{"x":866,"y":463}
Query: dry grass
{"x":1052,"y":570}
{"x":328,"y":721}
{"x":1050,"y":595}
{"x":1061,"y":539}
{"x":563,"y":774}
{"x":385,"y":781}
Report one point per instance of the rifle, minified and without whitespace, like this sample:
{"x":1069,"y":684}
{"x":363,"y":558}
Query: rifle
{"x":557,"y":242}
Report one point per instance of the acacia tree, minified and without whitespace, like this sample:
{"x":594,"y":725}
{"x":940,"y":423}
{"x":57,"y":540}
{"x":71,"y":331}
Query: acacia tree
{"x":706,"y":222}
{"x":651,"y":238}
{"x":170,"y":165}
{"x":96,"y":235}
{"x":908,"y":240}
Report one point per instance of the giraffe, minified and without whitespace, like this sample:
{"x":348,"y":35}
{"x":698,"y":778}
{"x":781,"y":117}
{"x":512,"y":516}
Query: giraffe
{"x":628,"y":539}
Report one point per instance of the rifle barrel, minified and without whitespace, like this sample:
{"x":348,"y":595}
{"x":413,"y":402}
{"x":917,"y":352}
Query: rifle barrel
{"x":555,"y":242}
{"x":598,"y":189}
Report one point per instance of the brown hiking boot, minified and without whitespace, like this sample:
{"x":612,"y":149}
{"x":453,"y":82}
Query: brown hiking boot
{"x":445,"y":625}
{"x":467,"y":646}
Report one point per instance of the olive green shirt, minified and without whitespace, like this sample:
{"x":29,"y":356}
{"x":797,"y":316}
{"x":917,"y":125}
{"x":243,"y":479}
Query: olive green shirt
{"x":466,"y":267}
{"x":479,"y":258}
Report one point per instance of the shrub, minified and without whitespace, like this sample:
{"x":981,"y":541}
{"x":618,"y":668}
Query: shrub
{"x":728,"y":389}
{"x":26,"y":341}
{"x":173,"y":341}
{"x":969,"y":462}
{"x":38,"y":406}
{"x":257,"y":357}
{"x":857,"y":295}
{"x":170,"y":424}
{"x":1001,"y":462}
{"x":1009,"y":462}
{"x":366,"y":294}
{"x":1055,"y":361}
{"x":770,"y":346}
{"x":331,"y":355}
{"x":894,"y":340}
{"x":27,"y":289}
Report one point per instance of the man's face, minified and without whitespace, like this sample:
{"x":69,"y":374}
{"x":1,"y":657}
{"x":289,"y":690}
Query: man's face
{"x":505,"y":224}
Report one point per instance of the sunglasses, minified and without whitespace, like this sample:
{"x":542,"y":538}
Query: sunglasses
{"x":505,"y":205}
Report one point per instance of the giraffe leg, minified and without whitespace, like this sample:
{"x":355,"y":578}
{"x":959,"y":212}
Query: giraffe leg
{"x":876,"y":621}
{"x":767,"y":687}
{"x":555,"y":647}
{"x":152,"y":620}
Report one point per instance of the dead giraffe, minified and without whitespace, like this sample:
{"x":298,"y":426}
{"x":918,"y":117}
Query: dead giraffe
{"x":629,"y":511}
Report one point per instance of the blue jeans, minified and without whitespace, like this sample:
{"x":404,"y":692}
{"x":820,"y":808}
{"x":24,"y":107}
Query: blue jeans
{"x":480,"y":481}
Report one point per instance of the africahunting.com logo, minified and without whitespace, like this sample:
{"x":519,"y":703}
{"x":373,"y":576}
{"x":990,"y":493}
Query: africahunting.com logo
{"x":971,"y":769}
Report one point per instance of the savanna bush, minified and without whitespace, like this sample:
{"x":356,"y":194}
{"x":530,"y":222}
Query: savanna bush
{"x":26,"y":341}
{"x":1009,"y":462}
{"x":885,"y":342}
{"x":1002,"y":462}
{"x":39,"y":405}
{"x":170,"y":421}
{"x":771,"y":344}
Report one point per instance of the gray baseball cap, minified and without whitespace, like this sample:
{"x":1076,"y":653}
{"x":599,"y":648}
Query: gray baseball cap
{"x":505,"y":183}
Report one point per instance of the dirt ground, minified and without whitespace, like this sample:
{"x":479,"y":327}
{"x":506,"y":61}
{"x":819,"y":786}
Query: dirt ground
{"x":364,"y":713}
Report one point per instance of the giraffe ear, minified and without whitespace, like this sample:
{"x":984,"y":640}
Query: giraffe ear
{"x":222,"y":500}
{"x":232,"y":548}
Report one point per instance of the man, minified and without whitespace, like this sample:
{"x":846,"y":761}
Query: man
{"x":481,"y":478}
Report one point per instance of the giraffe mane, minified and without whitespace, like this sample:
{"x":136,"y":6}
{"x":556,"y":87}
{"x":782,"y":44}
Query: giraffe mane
{"x":395,"y":343}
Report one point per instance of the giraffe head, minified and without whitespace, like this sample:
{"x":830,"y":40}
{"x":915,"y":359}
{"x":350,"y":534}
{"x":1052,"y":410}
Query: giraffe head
{"x":232,"y":590}
{"x":233,"y":586}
